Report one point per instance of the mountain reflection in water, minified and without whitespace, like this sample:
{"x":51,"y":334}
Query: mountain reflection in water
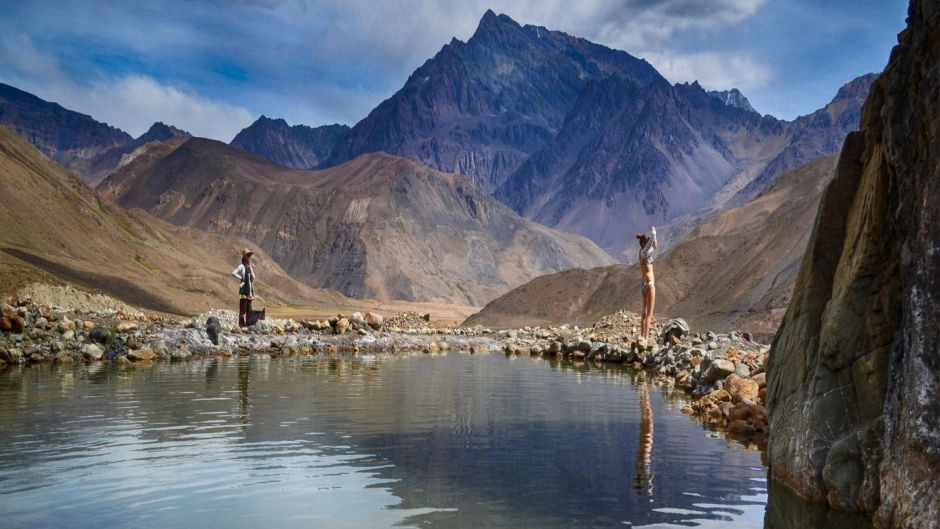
{"x":377,"y":441}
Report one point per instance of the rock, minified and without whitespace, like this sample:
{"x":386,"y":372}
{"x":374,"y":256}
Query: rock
{"x":760,"y":379}
{"x":99,"y":335}
{"x":7,"y":310}
{"x":713,"y":345}
{"x":674,"y":329}
{"x":858,"y":351}
{"x":141,"y":355}
{"x":5,"y":324}
{"x":341,"y":325}
{"x":740,"y":388}
{"x":181,"y":354}
{"x":125,"y":327}
{"x":213,"y":329}
{"x":117,"y":349}
{"x":719,"y":370}
{"x":426,"y":317}
{"x":373,"y":320}
{"x":742,"y":370}
{"x":92,"y":352}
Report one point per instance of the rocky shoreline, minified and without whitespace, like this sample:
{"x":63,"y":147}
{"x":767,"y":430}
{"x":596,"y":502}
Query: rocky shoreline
{"x":722,"y":373}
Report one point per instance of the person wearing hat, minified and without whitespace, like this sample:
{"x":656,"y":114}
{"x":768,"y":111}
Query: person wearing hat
{"x":246,"y":275}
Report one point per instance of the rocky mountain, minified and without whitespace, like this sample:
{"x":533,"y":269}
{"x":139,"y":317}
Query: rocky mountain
{"x":852,"y":383}
{"x":631,"y":157}
{"x":587,"y":139}
{"x":732,"y":98}
{"x":300,"y":146}
{"x":378,"y":226}
{"x":482,"y":107}
{"x":57,"y":230}
{"x":734,"y":271}
{"x":65,"y":136}
{"x":94,"y":169}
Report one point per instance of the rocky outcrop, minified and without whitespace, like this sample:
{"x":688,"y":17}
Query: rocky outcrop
{"x":300,"y":146}
{"x":853,"y":386}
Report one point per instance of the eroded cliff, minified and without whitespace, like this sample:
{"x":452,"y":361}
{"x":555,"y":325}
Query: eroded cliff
{"x":853,"y":385}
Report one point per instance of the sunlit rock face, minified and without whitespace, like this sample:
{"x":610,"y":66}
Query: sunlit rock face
{"x":853,"y":376}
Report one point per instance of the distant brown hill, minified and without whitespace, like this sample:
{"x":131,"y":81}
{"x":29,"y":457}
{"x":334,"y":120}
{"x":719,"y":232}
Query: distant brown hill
{"x":378,"y":226}
{"x":58,"y":230}
{"x":736,"y":270}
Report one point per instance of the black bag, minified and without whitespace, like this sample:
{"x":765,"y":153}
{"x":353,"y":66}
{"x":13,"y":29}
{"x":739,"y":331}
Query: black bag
{"x":255,"y":315}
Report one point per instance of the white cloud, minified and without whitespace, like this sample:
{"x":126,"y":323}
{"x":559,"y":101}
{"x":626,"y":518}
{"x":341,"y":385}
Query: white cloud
{"x":133,"y":103}
{"x":713,"y":70}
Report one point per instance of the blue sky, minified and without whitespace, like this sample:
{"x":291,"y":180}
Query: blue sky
{"x":213,"y":66}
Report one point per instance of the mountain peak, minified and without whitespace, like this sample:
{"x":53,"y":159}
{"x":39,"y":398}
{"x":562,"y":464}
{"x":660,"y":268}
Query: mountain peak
{"x":856,"y":88}
{"x":493,"y":22}
{"x":733,"y":98}
{"x":160,"y":131}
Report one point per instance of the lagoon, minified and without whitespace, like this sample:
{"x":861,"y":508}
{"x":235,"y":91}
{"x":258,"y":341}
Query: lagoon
{"x":447,"y":441}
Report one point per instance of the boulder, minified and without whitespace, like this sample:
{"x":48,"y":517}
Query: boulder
{"x":99,"y":335}
{"x":375,"y":321}
{"x":341,"y":325}
{"x":719,"y":370}
{"x":92,"y":352}
{"x":5,"y":324}
{"x":125,"y":326}
{"x":673,"y":330}
{"x":143,"y":354}
{"x":741,"y":388}
{"x":213,"y":329}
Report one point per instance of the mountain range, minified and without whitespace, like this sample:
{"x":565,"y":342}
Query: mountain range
{"x":588,"y":139}
{"x":57,"y":230}
{"x":379,"y":226}
{"x":570,"y":134}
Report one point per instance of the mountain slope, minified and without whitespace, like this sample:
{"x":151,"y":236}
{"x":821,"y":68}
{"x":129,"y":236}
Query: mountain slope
{"x":67,"y":137}
{"x":735,"y":270}
{"x":300,"y":147}
{"x":480,"y":108}
{"x":379,"y":226}
{"x":56,"y":229}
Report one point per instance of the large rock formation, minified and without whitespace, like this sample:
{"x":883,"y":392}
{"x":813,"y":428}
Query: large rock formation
{"x":853,"y":380}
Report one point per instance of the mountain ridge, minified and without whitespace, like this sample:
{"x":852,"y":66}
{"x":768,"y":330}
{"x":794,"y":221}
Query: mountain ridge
{"x":378,"y":226}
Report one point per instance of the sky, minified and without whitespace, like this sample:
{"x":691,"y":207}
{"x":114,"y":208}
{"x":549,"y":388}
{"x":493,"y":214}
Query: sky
{"x":212,"y":67}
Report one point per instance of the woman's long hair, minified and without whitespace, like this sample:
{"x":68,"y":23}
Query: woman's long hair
{"x":643,"y":239}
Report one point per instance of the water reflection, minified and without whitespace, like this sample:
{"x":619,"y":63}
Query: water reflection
{"x":417,"y":441}
{"x":643,"y":480}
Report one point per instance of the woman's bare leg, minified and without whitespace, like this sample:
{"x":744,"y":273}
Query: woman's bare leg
{"x":652,"y":304}
{"x":645,"y":321}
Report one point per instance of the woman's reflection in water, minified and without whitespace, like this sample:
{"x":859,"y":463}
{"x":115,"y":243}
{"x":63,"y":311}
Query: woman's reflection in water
{"x":643,"y":481}
{"x":244,"y":384}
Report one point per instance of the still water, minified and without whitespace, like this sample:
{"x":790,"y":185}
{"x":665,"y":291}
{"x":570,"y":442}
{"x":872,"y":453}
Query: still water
{"x":388,"y":441}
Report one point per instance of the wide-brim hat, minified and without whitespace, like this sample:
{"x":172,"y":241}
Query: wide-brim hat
{"x":247,"y":253}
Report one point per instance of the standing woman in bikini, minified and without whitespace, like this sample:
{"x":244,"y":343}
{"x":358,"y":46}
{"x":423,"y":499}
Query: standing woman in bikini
{"x":647,"y":247}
